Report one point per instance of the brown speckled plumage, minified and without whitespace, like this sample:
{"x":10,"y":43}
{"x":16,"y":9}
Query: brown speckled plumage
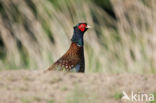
{"x":70,"y":59}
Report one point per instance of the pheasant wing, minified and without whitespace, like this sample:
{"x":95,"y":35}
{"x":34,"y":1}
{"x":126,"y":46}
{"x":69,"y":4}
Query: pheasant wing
{"x":64,"y":64}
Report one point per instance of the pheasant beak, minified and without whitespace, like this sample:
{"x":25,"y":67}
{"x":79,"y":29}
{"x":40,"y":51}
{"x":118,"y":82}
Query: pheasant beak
{"x":88,"y":26}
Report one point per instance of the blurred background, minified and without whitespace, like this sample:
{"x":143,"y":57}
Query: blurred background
{"x":35,"y":33}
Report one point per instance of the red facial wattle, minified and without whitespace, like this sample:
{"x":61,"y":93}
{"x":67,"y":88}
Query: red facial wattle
{"x":82,"y":27}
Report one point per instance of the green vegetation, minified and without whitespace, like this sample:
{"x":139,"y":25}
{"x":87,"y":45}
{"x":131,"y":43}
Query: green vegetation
{"x":154,"y":98}
{"x":81,"y":96}
{"x":50,"y":101}
{"x":34,"y":34}
{"x":25,"y":100}
{"x":117,"y":95}
{"x":64,"y":88}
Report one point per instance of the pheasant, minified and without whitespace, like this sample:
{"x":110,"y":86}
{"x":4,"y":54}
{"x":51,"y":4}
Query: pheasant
{"x":73,"y":60}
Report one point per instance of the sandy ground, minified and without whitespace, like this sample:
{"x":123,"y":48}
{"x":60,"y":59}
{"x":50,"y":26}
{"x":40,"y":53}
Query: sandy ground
{"x":23,"y":86}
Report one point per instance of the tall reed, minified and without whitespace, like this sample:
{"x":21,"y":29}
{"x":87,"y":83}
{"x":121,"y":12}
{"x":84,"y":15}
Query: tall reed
{"x":36,"y":32}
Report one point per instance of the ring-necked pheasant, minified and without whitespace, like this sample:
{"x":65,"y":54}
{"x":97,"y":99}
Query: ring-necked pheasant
{"x":73,"y":59}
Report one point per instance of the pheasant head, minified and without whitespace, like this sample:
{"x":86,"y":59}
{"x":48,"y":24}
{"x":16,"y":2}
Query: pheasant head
{"x":79,"y":31}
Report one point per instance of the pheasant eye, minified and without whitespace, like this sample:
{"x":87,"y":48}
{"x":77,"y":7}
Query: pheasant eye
{"x":82,"y":27}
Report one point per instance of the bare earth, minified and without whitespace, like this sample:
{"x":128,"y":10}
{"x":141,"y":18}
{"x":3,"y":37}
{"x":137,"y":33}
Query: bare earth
{"x":25,"y":86}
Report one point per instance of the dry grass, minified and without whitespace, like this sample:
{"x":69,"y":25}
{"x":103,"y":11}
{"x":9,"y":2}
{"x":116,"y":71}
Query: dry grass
{"x":58,"y":87}
{"x":36,"y":32}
